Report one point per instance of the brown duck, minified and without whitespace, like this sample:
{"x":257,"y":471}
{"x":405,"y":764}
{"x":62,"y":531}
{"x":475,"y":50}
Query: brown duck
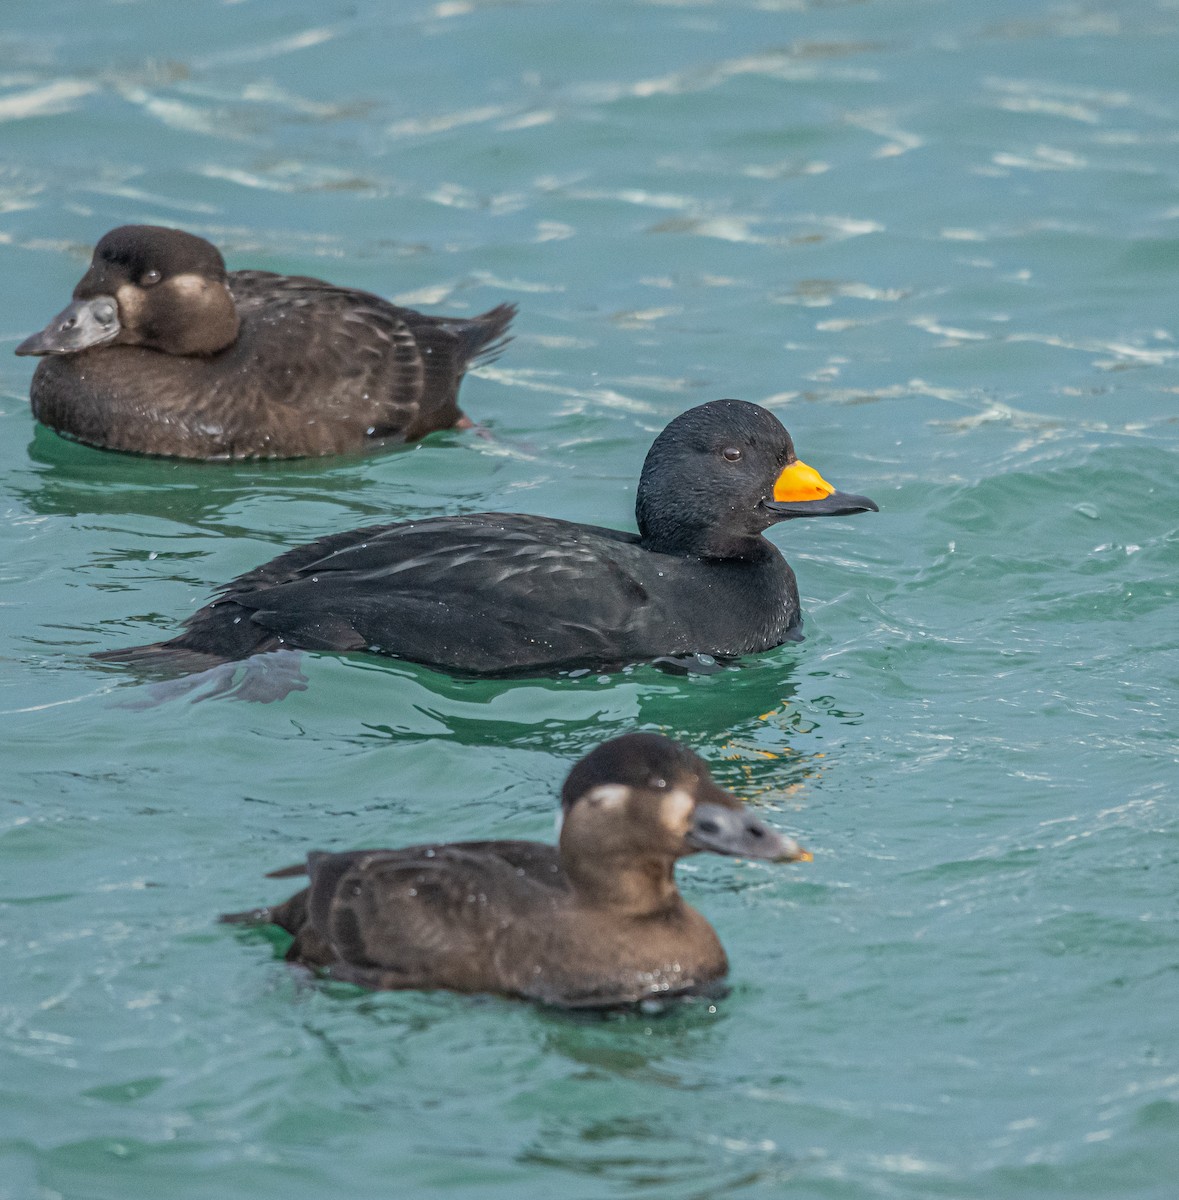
{"x":596,"y":921}
{"x":165,"y":352}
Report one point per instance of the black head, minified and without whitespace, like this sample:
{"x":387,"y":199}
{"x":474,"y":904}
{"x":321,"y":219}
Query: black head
{"x":644,"y":797}
{"x":147,"y":286}
{"x":722,"y":473}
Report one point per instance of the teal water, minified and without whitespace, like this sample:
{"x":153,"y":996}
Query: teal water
{"x":942,"y":241}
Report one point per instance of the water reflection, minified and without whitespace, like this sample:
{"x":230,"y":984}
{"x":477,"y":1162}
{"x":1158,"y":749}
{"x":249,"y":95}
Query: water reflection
{"x":750,"y":722}
{"x":70,"y":478}
{"x":749,"y":712}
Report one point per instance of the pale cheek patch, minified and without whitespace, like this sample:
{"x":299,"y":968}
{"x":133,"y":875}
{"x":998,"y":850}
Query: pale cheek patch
{"x":676,"y":810}
{"x":609,"y":795}
{"x":188,"y":285}
{"x":130,"y":301}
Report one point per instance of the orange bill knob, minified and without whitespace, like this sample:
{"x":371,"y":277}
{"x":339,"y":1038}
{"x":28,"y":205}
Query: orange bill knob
{"x":800,"y":482}
{"x":800,"y":491}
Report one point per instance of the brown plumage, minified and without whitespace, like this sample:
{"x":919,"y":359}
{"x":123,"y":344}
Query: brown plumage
{"x":596,"y":921}
{"x":165,"y":352}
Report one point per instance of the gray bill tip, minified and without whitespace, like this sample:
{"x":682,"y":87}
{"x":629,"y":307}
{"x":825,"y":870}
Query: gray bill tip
{"x":838,"y":504}
{"x":737,"y":832}
{"x":83,"y":324}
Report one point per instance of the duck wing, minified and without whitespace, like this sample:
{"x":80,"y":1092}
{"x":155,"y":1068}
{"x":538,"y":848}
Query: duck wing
{"x":483,"y":594}
{"x":425,"y":916}
{"x":359,"y":366}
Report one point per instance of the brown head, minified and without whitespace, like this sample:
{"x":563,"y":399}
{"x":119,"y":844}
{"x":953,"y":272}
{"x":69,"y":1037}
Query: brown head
{"x":638,"y":803}
{"x":163,"y":289}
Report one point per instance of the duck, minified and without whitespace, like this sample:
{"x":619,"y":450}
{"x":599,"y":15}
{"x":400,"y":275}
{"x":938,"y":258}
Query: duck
{"x":164,"y":352}
{"x":594,"y":922}
{"x":511,"y":594}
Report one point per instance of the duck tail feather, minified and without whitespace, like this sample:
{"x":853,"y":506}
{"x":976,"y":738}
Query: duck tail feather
{"x":166,"y":657}
{"x":252,"y":916}
{"x":489,"y":334}
{"x":288,"y":872}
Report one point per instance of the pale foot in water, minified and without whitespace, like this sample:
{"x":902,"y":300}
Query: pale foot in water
{"x":260,"y":679}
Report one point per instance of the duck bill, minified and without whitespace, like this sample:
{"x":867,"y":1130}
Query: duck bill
{"x":720,"y":829}
{"x":85,"y":323}
{"x":800,"y":491}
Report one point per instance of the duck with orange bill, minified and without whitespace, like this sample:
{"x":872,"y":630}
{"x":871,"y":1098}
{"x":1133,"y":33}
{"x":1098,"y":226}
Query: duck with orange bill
{"x":508,"y":594}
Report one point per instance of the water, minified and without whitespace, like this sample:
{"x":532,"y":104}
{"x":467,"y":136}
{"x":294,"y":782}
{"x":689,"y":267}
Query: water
{"x":940,"y":240}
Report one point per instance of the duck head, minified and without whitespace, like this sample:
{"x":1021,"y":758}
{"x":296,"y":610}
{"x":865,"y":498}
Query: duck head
{"x":720,"y":474}
{"x":163,"y":289}
{"x":638,"y":803}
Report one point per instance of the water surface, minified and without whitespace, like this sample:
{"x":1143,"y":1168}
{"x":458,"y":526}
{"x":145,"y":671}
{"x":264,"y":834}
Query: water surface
{"x":940,"y":241}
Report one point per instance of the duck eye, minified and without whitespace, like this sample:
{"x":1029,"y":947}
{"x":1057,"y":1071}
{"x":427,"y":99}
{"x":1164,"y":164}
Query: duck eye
{"x":149,"y":277}
{"x":657,"y":782}
{"x":731,"y":454}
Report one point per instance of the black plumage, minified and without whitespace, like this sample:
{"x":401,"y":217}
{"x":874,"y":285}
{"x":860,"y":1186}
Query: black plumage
{"x":511,"y":594}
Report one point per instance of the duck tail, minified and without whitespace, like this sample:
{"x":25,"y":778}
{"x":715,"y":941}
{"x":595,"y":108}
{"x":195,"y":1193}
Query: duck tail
{"x":290,"y":872}
{"x":290,"y":915}
{"x":252,"y":916}
{"x":487,"y":334}
{"x":171,"y":658}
